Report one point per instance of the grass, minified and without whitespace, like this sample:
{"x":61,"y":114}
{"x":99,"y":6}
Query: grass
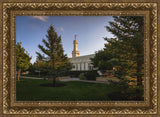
{"x":31,"y":90}
{"x":35,"y":76}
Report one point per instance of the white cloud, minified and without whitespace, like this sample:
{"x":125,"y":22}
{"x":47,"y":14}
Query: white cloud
{"x":42,"y":18}
{"x":61,"y":29}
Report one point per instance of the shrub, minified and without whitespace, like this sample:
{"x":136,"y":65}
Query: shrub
{"x":82,"y":76}
{"x":91,"y":75}
{"x":77,"y":73}
{"x":126,"y":92}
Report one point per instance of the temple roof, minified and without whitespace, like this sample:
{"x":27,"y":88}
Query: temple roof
{"x":85,"y":58}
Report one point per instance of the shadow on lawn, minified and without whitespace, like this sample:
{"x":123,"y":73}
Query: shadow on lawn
{"x":23,"y":81}
{"x":51,"y":85}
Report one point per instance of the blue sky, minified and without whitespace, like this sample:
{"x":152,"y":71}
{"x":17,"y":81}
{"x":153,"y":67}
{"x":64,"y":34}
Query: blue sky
{"x":90,"y":30}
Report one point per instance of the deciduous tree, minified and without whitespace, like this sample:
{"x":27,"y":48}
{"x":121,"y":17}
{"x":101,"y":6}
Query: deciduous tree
{"x":22,"y":59}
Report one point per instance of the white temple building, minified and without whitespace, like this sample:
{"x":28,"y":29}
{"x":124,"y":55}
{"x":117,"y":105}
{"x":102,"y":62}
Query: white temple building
{"x":80,"y":63}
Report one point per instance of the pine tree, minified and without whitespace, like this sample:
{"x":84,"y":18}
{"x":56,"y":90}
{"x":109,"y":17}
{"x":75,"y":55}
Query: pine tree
{"x":54,"y":55}
{"x":126,"y":50}
{"x":129,"y":30}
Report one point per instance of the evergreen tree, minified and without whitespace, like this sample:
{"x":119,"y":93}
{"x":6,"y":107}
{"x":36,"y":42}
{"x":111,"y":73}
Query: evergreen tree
{"x":126,"y":51}
{"x":22,"y":59}
{"x":129,"y":30}
{"x":54,"y":57}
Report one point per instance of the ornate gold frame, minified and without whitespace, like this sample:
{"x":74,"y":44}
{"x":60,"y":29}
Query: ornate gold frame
{"x":11,"y":107}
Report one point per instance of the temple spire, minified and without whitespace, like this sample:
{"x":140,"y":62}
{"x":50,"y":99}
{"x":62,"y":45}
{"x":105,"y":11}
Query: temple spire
{"x":75,"y":52}
{"x":75,"y":36}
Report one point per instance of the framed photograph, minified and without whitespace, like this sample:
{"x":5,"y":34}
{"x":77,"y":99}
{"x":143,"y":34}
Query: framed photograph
{"x":84,"y":58}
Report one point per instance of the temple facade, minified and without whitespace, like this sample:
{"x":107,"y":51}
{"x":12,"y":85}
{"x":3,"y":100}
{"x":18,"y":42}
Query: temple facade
{"x":80,"y":63}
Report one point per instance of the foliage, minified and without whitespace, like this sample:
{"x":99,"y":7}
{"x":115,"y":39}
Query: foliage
{"x":53,"y":59}
{"x":91,"y":75}
{"x":22,"y":59}
{"x":76,"y":73}
{"x":31,"y":69}
{"x":126,"y":51}
{"x":82,"y":76}
{"x":126,"y":92}
{"x":40,"y":65}
{"x":103,"y":60}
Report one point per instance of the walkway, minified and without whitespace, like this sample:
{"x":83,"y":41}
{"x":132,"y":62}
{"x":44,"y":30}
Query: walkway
{"x":66,"y":80}
{"x":77,"y":79}
{"x":31,"y":77}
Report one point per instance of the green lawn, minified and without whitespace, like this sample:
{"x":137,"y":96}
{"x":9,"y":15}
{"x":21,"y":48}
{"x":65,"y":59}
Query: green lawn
{"x":35,"y":76}
{"x":31,"y":89}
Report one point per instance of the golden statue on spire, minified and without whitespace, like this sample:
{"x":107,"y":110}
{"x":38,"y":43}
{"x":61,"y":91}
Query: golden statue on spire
{"x":75,"y":36}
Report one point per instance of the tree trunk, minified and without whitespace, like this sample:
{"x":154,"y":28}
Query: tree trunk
{"x":54,"y":81}
{"x":19,"y":72}
{"x":53,"y":73}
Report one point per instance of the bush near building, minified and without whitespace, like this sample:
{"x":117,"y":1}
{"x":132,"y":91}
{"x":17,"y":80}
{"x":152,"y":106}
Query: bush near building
{"x":77,"y":73}
{"x":82,"y":76}
{"x":90,"y":75}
